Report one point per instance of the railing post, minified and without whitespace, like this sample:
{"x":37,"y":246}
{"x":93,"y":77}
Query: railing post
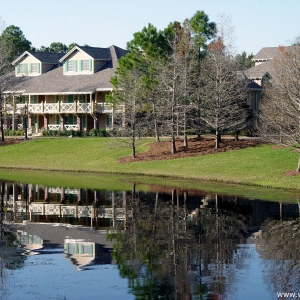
{"x":42,"y":106}
{"x":92,"y":107}
{"x":75,"y":107}
{"x":58,"y":106}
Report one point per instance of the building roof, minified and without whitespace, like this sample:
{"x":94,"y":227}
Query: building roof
{"x":259,"y":71}
{"x":97,"y":53}
{"x":47,"y":57}
{"x":266,"y":53}
{"x":43,"y":57}
{"x":55,"y":82}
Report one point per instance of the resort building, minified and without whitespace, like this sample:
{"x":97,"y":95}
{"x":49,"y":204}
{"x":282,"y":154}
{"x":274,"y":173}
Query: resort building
{"x":56,"y":91}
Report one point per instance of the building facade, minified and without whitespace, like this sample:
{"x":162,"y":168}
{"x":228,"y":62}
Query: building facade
{"x":58,"y":91}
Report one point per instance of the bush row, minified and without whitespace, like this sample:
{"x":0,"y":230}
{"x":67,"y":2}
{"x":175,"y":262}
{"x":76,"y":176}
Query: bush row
{"x":9,"y":132}
{"x":92,"y":132}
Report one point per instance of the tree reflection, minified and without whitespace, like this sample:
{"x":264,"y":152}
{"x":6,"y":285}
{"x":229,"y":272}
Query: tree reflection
{"x":278,"y":243}
{"x":174,"y":250}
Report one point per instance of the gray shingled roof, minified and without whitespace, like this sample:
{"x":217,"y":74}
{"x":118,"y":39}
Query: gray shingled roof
{"x":260,"y":70}
{"x":54,"y":82}
{"x":251,"y":85}
{"x":47,"y":57}
{"x":268,"y":53}
{"x":97,"y":53}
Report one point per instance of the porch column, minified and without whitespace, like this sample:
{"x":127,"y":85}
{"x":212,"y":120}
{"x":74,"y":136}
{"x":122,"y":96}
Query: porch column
{"x":96,"y":121}
{"x":79,"y":116}
{"x":29,"y":121}
{"x":62,"y":195}
{"x":13,"y":113}
{"x":46,"y":194}
{"x":62,"y":121}
{"x":46,"y":121}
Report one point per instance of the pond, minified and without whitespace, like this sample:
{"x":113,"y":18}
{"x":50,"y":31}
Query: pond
{"x":158,"y":242}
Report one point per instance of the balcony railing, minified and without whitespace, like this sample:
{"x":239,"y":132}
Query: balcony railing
{"x":61,"y":107}
{"x":67,"y":127}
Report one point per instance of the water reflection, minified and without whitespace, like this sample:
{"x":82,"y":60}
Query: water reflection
{"x":169,"y":244}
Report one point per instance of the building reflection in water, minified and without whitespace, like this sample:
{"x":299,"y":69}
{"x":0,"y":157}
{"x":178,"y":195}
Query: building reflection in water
{"x":169,"y":243}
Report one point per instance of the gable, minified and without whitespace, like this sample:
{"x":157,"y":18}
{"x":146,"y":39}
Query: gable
{"x":28,"y":65}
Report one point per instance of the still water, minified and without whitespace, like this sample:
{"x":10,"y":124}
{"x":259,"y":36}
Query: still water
{"x":68,"y":243}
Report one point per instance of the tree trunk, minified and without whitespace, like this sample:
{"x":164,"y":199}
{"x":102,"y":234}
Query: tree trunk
{"x":173,"y":144}
{"x":155,"y":123}
{"x":217,"y":140}
{"x":185,"y":140}
{"x":298,"y":167}
{"x":1,"y":127}
{"x":236,"y":136}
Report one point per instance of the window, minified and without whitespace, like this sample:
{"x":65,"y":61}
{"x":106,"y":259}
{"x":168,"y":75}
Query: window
{"x":35,"y":68}
{"x":22,"y":68}
{"x":85,"y":65}
{"x":71,"y":66}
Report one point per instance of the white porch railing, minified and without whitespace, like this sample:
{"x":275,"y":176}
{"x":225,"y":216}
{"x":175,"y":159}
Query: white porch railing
{"x":53,"y":126}
{"x":35,"y":108}
{"x":108,"y":108}
{"x":84,"y":107}
{"x":51,"y":107}
{"x":60,"y":107}
{"x":67,"y":107}
{"x":71,"y":127}
{"x":20,"y":126}
{"x":67,"y":127}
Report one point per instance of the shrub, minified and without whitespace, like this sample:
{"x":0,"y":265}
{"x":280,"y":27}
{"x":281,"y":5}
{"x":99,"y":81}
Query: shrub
{"x":102,"y":133}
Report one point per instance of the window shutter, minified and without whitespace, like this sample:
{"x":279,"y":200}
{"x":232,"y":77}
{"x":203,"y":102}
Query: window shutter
{"x":75,"y":65}
{"x":80,"y":65}
{"x":66,"y":66}
{"x":39,"y":68}
{"x":57,"y":98}
{"x":18,"y":68}
{"x":25,"y":68}
{"x":91,"y":65}
{"x":30,"y":68}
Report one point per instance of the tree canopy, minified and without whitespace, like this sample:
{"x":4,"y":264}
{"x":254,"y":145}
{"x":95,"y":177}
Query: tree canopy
{"x":15,"y":41}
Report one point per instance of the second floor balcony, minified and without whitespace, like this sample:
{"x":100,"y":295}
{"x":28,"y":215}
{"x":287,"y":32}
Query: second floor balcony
{"x":63,"y":108}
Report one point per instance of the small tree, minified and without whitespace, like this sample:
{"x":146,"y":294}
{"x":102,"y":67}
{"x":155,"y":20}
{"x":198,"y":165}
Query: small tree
{"x":223,"y":91}
{"x":128,"y":90}
{"x":279,"y":115}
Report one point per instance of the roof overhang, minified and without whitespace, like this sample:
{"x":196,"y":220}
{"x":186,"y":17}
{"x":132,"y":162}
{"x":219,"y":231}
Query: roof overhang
{"x":104,"y":89}
{"x":21,"y":56}
{"x":72,"y":51}
{"x":60,"y":93}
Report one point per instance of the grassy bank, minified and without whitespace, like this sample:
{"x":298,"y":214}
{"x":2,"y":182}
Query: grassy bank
{"x":262,"y":166}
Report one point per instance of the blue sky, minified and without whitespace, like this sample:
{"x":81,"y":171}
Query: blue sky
{"x":100,"y":23}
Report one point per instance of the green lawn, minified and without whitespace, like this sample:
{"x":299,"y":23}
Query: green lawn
{"x":263,"y":165}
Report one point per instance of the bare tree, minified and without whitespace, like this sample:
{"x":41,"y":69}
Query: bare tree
{"x":129,"y":91}
{"x":279,"y":115}
{"x":223,"y":91}
{"x":172,"y":90}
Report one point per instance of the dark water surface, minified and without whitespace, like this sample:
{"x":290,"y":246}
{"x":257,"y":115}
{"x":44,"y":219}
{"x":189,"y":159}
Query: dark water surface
{"x":68,"y":243}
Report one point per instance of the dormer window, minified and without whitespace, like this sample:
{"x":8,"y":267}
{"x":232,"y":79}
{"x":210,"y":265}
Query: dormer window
{"x":71,"y":66}
{"x":85,"y":65}
{"x":34,"y":68}
{"x":22,"y":68}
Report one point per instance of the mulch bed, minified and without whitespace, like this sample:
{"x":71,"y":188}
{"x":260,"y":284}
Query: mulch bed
{"x":162,"y":150}
{"x":11,"y":141}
